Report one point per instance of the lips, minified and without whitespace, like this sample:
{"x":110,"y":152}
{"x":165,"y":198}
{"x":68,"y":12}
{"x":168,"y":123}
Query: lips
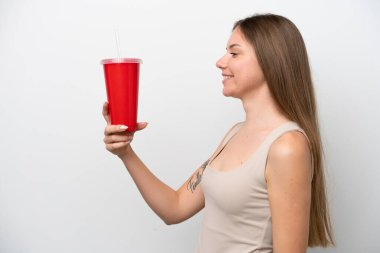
{"x":226,"y":77}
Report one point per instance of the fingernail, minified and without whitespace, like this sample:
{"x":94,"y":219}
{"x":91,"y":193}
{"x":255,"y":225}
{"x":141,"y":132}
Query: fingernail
{"x":123,"y":127}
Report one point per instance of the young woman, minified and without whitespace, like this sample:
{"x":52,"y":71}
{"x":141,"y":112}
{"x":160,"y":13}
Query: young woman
{"x":263,"y":189}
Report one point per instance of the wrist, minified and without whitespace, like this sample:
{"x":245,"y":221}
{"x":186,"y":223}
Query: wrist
{"x":126,"y":154}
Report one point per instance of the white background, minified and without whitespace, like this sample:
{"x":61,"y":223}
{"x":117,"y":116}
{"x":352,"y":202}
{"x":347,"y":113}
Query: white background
{"x":61,"y":191}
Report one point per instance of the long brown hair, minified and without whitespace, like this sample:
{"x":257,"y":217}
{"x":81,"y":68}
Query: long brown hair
{"x":282,"y":55}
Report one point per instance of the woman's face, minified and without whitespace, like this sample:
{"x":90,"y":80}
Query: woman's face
{"x":242,"y":74}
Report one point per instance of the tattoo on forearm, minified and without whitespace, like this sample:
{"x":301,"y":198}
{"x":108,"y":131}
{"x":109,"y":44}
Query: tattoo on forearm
{"x":195,"y":180}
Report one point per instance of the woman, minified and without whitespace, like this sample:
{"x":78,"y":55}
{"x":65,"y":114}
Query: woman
{"x":263,"y":189}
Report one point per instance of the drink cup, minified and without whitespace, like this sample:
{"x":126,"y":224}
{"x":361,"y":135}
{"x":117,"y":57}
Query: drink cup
{"x":122,"y":85}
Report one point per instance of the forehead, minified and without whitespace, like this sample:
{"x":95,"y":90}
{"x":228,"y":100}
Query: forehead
{"x":237,"y":37}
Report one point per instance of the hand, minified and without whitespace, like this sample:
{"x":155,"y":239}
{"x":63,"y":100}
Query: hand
{"x":116,"y":138}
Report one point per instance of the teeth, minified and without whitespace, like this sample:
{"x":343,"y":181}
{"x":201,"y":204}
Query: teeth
{"x":227,"y":77}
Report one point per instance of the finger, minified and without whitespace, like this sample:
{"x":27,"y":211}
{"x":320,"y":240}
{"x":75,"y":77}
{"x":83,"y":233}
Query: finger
{"x":141,"y":125}
{"x":106,"y":114}
{"x":117,"y":145}
{"x":113,"y":129}
{"x":117,"y":138}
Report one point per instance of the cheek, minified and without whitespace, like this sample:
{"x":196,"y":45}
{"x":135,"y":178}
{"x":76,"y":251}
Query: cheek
{"x":252,"y":74}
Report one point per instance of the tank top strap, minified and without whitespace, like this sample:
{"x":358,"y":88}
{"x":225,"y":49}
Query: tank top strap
{"x":232,"y":132}
{"x":225,"y":140}
{"x":278,"y":132}
{"x":282,"y":129}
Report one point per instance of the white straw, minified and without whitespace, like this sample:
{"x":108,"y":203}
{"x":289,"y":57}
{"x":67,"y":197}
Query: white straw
{"x":117,"y":45}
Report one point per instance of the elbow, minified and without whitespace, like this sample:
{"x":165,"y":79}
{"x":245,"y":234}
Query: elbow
{"x":170,"y":221}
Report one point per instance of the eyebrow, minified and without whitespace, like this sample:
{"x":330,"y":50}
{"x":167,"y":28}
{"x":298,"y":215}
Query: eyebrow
{"x":233,"y":45}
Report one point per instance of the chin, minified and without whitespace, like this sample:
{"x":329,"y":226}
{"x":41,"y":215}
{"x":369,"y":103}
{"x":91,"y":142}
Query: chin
{"x":228,"y":93}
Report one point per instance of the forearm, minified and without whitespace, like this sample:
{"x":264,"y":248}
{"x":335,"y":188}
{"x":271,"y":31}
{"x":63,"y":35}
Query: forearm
{"x":162,"y":199}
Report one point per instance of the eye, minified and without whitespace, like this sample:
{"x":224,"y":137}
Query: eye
{"x":234,"y":55}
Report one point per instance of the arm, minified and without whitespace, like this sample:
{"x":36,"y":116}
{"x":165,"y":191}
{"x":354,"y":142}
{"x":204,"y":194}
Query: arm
{"x":170,"y":205}
{"x":288,"y":175}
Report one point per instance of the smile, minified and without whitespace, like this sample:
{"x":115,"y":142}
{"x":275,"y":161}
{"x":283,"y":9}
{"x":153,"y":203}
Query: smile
{"x":225,"y":77}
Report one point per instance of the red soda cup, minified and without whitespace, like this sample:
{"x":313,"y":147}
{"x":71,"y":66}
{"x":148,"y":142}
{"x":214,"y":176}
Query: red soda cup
{"x":122,"y":85}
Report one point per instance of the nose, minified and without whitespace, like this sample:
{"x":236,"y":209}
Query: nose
{"x":221,"y":63}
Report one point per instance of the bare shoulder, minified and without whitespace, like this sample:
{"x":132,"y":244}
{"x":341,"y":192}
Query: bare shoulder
{"x":290,"y":144}
{"x":289,"y":154}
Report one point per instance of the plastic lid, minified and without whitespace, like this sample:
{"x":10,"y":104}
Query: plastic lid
{"x":121,"y":60}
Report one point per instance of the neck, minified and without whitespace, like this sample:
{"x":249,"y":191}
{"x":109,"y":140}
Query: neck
{"x":261,"y":111}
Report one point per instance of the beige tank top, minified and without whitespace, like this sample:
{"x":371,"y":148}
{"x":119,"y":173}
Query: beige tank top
{"x":237,"y":216}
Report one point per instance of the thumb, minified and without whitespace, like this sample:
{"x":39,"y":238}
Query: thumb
{"x":141,"y":125}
